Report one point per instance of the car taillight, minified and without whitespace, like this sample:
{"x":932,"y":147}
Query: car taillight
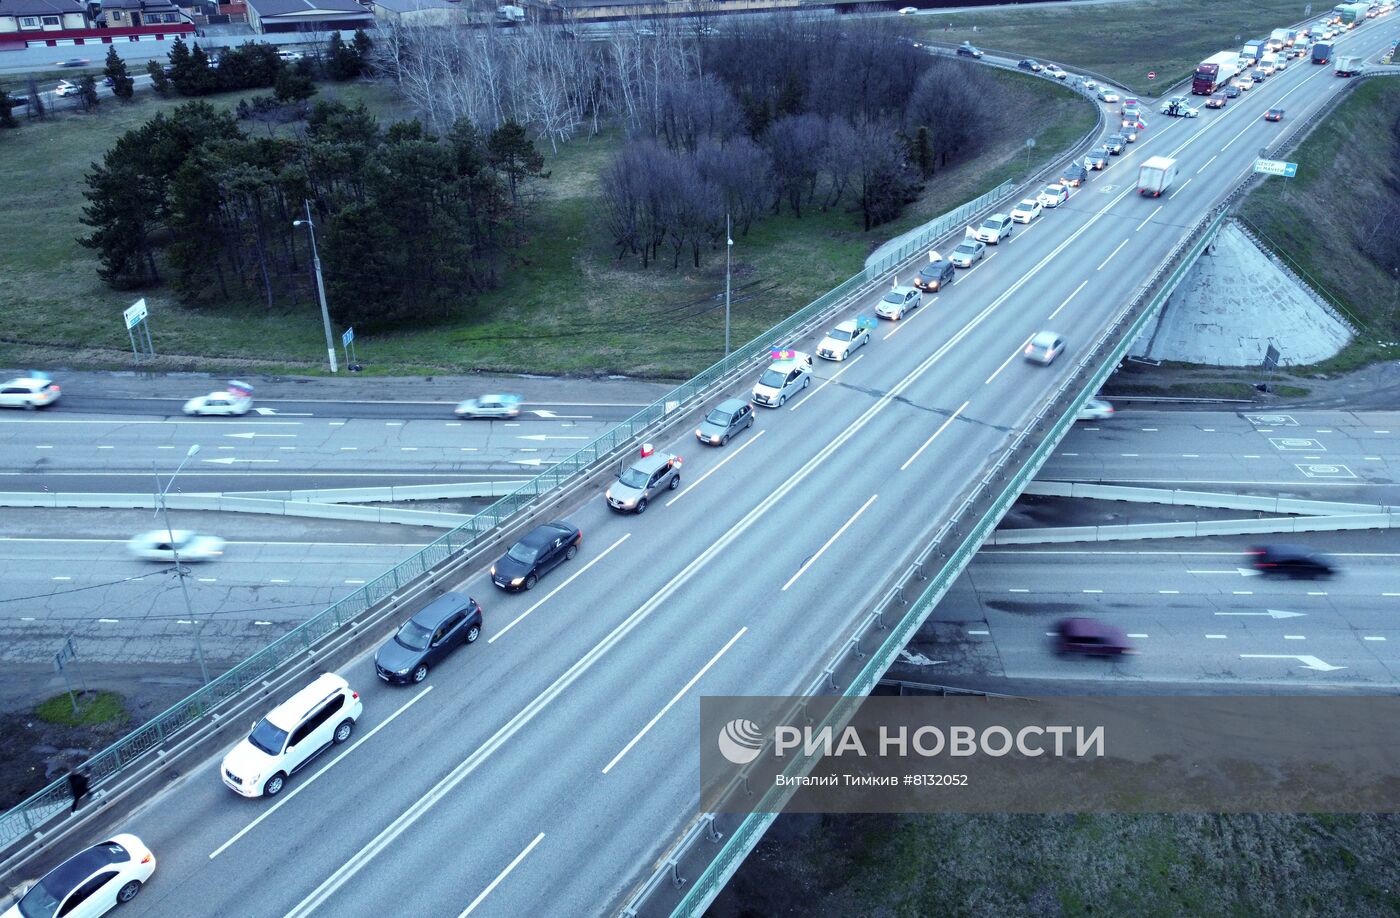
{"x":1030,"y":348}
{"x":354,"y":696}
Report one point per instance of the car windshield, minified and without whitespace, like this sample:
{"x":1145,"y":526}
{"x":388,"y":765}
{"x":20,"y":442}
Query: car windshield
{"x":991,"y":224}
{"x":41,"y":901}
{"x":522,"y":553}
{"x":413,"y":636}
{"x":1026,"y":205}
{"x":836,"y":334}
{"x":1053,"y":190}
{"x":267,"y":737}
{"x":967,"y":248}
{"x":636,"y":478}
{"x":774,"y":379}
{"x":894,"y":296}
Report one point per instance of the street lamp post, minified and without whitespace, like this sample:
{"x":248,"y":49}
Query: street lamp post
{"x":728,"y":250}
{"x":180,"y":571}
{"x":320,"y":284}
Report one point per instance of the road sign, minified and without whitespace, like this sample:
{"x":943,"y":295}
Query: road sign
{"x":1152,"y":74}
{"x":135,"y":313}
{"x":1275,"y":167}
{"x":1271,"y":358}
{"x":347,"y":337}
{"x":1307,"y":10}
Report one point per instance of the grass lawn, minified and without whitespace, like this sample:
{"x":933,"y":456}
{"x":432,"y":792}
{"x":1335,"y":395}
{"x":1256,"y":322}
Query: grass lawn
{"x":1123,"y":41}
{"x":568,"y":306}
{"x":1312,"y":220}
{"x":93,"y":708}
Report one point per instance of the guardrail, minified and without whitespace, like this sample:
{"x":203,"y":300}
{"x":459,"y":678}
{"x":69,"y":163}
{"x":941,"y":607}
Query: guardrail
{"x":477,"y":531}
{"x":943,"y":559}
{"x":905,"y":246}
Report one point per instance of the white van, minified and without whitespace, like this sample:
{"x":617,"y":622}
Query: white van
{"x":1269,"y":63}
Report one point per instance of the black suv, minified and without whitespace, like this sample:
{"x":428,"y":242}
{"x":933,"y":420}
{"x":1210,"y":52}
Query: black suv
{"x":934,"y":276}
{"x":538,"y":552}
{"x":434,"y":631}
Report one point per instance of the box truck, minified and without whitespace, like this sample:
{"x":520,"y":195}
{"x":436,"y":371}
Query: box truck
{"x":1156,"y":175}
{"x":1348,"y":66}
{"x":1215,"y":72}
{"x":1322,"y":52}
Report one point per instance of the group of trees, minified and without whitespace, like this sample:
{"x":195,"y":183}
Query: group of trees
{"x":409,"y":223}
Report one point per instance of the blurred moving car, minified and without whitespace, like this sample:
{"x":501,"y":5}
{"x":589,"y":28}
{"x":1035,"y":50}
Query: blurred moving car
{"x":1107,"y":95}
{"x":1031,"y":65}
{"x":164,"y":545}
{"x":1095,"y":409}
{"x":1044,"y":347}
{"x":237,"y":399}
{"x":75,"y":62}
{"x":967,"y":50}
{"x":29,"y":392}
{"x":89,"y":883}
{"x":66,"y":88}
{"x":907,"y":10}
{"x":1091,"y":637}
{"x":1294,"y":561}
{"x":1274,"y":114}
{"x":489,"y":406}
{"x":538,"y":552}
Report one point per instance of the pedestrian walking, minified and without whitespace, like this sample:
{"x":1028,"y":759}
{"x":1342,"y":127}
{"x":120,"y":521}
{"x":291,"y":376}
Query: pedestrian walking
{"x":78,"y":787}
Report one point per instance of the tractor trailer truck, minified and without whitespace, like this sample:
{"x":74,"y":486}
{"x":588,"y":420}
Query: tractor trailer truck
{"x":1156,"y":175}
{"x":1214,"y":73}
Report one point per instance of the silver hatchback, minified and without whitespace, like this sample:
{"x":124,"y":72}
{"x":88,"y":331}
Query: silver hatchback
{"x":641,"y":481}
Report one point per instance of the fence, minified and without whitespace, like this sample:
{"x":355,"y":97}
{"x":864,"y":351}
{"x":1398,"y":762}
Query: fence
{"x":902,"y":248}
{"x":984,"y":505}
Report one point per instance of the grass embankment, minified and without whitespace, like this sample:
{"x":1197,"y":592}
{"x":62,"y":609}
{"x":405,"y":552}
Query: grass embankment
{"x":1072,"y":866}
{"x":93,"y":708}
{"x":569,"y":306}
{"x":1315,"y":220}
{"x":1123,"y":41}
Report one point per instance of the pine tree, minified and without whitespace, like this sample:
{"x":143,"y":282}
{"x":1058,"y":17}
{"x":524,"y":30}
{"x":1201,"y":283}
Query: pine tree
{"x":512,"y":153}
{"x":87,"y":92}
{"x":122,"y":83}
{"x":7,"y":118}
{"x":159,"y":81}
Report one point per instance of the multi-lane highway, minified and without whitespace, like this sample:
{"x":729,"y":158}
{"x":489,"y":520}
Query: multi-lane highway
{"x":544,"y":769}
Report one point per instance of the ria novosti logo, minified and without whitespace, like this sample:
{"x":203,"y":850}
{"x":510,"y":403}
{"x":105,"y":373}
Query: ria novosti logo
{"x":740,"y":741}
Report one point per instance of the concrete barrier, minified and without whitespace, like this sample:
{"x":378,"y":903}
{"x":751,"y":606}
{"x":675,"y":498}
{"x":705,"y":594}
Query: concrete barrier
{"x":223,"y":504}
{"x":391,"y":493}
{"x":1214,"y":499}
{"x":1193,"y":529}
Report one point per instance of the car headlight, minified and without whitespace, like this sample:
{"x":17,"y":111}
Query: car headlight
{"x":517,"y":581}
{"x":493,"y":570}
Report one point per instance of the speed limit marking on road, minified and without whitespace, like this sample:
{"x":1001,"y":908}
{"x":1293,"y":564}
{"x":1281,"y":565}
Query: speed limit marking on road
{"x":1326,"y":471}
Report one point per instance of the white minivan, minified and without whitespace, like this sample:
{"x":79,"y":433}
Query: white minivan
{"x":291,"y":735}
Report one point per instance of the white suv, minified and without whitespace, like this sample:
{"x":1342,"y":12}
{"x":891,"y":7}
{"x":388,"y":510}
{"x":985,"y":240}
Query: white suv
{"x":993,"y":229}
{"x":291,"y":735}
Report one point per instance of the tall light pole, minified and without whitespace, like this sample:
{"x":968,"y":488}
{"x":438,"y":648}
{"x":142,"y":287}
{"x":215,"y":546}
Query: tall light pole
{"x":320,"y":284}
{"x":728,"y":251}
{"x":180,"y":571}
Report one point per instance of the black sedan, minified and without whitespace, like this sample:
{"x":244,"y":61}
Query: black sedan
{"x":967,"y":50}
{"x":1028,"y":64}
{"x":1231,"y":91}
{"x":537,"y":553}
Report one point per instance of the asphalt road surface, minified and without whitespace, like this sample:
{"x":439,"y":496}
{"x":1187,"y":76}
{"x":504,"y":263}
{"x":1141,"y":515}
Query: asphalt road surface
{"x":545,"y":768}
{"x":1337,"y":455}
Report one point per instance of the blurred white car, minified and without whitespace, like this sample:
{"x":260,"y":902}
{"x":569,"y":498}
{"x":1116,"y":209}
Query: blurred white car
{"x":1095,"y":409}
{"x":1056,"y":72}
{"x":1108,"y":95}
{"x":489,"y":406}
{"x":91,"y":882}
{"x":1044,"y":347}
{"x":1053,"y":195}
{"x":907,"y":10}
{"x":28,"y":392}
{"x":219,"y":403}
{"x":66,"y":88}
{"x":191,"y":546}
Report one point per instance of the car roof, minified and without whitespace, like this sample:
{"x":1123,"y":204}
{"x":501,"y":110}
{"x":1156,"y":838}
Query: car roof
{"x":1044,"y":337}
{"x":544,"y":534}
{"x":649,"y":464}
{"x":1088,"y":627}
{"x":288,"y":713}
{"x":64,"y":878}
{"x":437,"y":611}
{"x":1028,"y":202}
{"x":499,"y":398}
{"x":847,"y":326}
{"x":902,"y":288}
{"x":734,"y":404}
{"x":934,"y":267}
{"x":999,"y":218}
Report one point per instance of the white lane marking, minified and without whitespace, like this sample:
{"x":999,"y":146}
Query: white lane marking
{"x":1215,"y":637}
{"x":1018,"y":590}
{"x":1110,"y":255}
{"x":109,"y":621}
{"x":1369,"y":638}
{"x":719,"y":465}
{"x":62,"y":578}
{"x":1243,"y":592}
{"x":1067,"y":299}
{"x":979,"y":632}
{"x":550,"y":595}
{"x":1208,"y":162}
{"x":1179,"y":189}
{"x":845,"y":365}
{"x":1294,"y":637}
{"x":1317,"y":592}
{"x":501,"y":876}
{"x":829,"y":542}
{"x":906,"y":319}
{"x":1007,"y":362}
{"x":1091,"y":591}
{"x":1190,"y":455}
{"x":1236,"y":137}
{"x":39,"y":446}
{"x":942,"y":427}
{"x":306,"y":782}
{"x":1173,"y":592}
{"x":675,"y":698}
{"x":1138,"y":635}
{"x":1146,"y":220}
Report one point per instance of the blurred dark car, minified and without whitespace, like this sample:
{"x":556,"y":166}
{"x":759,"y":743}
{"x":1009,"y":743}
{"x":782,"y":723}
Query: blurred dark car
{"x":1091,"y":637}
{"x":1293,"y":561}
